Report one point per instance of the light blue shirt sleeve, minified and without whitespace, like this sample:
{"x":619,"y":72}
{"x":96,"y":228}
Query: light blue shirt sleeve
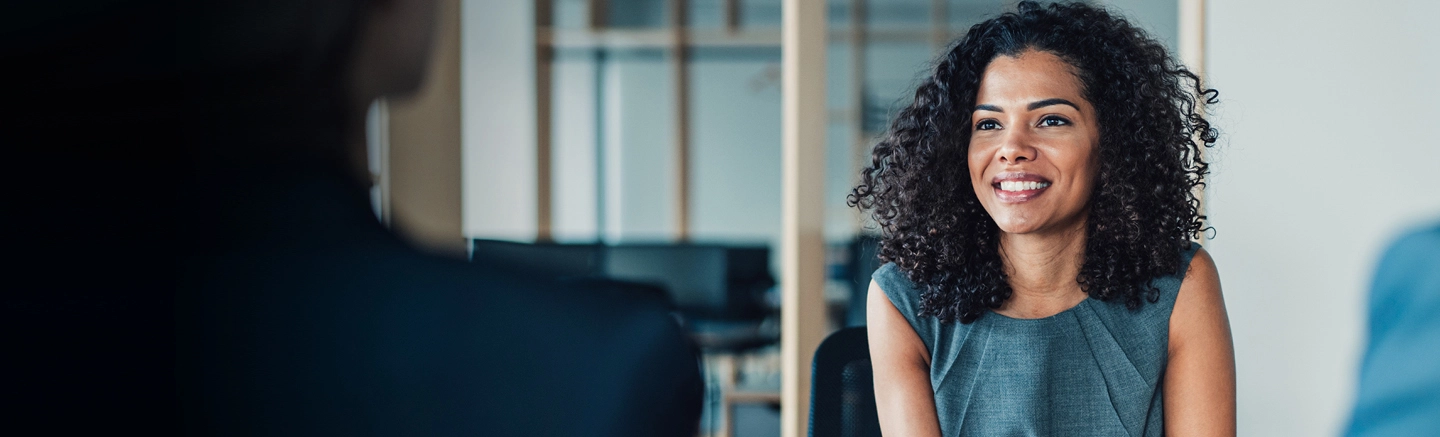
{"x":1399,"y":386}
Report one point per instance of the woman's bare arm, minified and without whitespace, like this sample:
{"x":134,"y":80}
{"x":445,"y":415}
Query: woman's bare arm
{"x":1200,"y":377}
{"x":901,"y":363}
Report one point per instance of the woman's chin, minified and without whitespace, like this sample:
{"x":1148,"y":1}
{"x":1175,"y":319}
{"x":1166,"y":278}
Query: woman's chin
{"x":1018,"y":227}
{"x":1023,"y":231}
{"x":1046,"y":225}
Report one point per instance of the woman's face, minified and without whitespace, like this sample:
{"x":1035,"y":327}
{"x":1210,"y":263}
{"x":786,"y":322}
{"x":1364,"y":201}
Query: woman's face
{"x":1033,"y":144}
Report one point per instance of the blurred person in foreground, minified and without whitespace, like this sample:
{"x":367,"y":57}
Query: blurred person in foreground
{"x":88,"y":188}
{"x":1399,"y":392}
{"x":298,"y":313}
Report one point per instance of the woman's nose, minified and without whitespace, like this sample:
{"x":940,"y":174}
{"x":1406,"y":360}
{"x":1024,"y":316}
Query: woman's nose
{"x":1016,"y":147}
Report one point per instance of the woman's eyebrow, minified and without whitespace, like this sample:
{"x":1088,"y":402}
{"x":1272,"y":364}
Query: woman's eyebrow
{"x":1032,"y":106}
{"x":1049,"y":102}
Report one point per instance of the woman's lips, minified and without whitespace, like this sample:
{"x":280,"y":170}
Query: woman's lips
{"x":1019,"y":187}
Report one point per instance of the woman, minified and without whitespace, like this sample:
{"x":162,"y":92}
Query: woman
{"x":1037,"y":204}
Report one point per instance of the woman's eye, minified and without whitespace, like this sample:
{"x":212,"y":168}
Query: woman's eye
{"x":987,"y":125}
{"x":1053,"y":121}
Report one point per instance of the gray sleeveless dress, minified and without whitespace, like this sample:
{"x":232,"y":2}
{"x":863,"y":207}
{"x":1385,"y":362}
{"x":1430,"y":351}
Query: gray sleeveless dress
{"x":1094,"y":369}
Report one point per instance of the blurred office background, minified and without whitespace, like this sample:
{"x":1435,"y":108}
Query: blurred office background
{"x":641,"y":140}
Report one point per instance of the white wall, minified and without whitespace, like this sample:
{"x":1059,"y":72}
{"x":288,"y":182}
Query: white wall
{"x":497,"y":67}
{"x":575,"y":148}
{"x":639,"y":147}
{"x":1329,"y":115}
{"x":735,"y":114}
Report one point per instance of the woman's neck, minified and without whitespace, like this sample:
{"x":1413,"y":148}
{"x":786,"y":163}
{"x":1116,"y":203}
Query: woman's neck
{"x":1042,"y":268}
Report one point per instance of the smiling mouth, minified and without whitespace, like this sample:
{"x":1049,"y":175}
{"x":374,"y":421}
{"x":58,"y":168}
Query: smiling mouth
{"x":1017,"y":188}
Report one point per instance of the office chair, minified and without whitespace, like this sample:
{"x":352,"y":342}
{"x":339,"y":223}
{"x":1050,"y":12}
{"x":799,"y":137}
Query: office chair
{"x":842,"y":388}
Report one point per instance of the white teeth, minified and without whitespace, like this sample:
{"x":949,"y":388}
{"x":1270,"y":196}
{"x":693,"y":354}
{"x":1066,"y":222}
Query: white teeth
{"x":1022,"y":185}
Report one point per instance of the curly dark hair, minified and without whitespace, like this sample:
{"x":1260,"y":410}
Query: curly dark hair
{"x":1143,"y":211}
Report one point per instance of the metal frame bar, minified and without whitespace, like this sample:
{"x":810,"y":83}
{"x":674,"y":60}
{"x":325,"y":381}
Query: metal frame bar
{"x":680,"y":77}
{"x":939,"y":23}
{"x":859,"y":38}
{"x":598,"y":14}
{"x":544,"y":87}
{"x":731,"y":15}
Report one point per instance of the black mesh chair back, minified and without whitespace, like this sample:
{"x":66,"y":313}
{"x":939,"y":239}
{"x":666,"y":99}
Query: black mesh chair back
{"x":842,"y":388}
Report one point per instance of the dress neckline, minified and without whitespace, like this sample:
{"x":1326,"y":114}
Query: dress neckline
{"x":1041,"y":319}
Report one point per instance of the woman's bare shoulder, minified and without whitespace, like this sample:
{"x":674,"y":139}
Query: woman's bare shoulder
{"x":1200,"y":306}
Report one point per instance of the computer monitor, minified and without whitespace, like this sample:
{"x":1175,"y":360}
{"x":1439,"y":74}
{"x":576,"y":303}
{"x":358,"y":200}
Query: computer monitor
{"x":703,"y":280}
{"x":541,"y":259}
{"x":695,"y":275}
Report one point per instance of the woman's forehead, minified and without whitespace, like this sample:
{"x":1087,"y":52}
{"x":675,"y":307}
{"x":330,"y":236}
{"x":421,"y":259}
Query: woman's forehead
{"x":1031,"y":75}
